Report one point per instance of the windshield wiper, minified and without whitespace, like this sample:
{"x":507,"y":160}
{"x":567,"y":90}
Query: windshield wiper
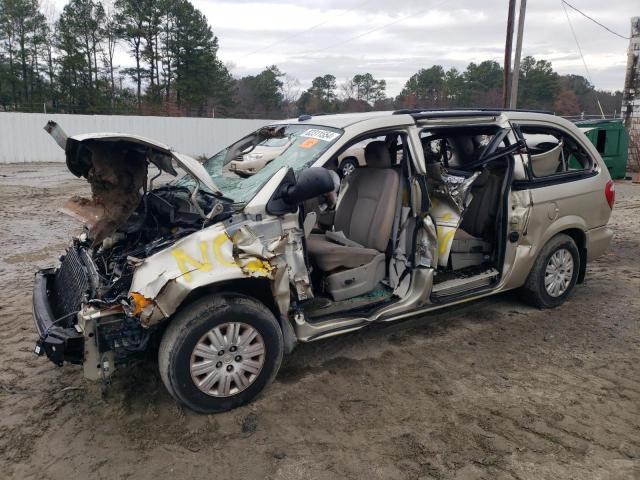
{"x":219,"y":195}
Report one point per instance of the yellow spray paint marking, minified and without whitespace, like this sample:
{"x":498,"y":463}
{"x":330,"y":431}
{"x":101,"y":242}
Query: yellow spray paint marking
{"x":183,"y":260}
{"x":258,"y":266}
{"x":187,"y":263}
{"x":443,"y":240}
{"x":217,"y":250}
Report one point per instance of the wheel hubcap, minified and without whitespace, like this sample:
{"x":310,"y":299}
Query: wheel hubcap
{"x":227,"y":359}
{"x":559,"y":272}
{"x":348,"y":168}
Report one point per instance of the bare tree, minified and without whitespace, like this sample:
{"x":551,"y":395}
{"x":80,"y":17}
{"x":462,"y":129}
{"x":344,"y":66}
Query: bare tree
{"x":290,"y":93}
{"x":348,"y":90}
{"x":290,"y":88}
{"x":51,"y":14}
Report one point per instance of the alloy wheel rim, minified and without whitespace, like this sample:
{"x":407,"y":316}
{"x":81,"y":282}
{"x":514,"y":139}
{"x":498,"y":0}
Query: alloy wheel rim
{"x":348,"y":169}
{"x":559,"y":272}
{"x":227,"y":359}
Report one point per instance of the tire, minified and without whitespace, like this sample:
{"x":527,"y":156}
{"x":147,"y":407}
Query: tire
{"x":347,"y":167}
{"x":535,"y":292}
{"x":210,"y":323}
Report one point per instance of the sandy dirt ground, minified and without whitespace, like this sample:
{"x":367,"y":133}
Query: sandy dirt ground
{"x":493,"y":390}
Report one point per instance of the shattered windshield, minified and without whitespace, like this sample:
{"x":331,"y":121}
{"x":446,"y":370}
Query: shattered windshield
{"x":275,"y":142}
{"x":307,"y":143}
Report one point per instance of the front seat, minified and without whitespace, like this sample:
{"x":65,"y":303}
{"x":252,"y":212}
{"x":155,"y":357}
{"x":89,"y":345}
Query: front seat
{"x":353,"y":253}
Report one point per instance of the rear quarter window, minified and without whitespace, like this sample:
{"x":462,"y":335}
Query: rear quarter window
{"x":553,"y":152}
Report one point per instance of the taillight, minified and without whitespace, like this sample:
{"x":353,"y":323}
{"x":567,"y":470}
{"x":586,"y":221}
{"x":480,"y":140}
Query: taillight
{"x":610,"y":193}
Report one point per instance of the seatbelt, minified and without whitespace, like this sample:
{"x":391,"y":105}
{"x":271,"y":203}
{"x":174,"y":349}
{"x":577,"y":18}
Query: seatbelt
{"x":404,"y":174}
{"x":309,"y":223}
{"x":398,"y":213}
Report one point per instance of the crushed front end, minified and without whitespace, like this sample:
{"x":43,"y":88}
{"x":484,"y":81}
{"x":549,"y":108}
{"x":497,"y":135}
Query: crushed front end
{"x":83,"y":313}
{"x":146,"y":249}
{"x":83,"y":309}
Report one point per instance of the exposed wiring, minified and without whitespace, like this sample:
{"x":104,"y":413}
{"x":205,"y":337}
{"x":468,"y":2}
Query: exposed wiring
{"x":56,"y":321}
{"x":575,"y":37}
{"x":594,"y":20}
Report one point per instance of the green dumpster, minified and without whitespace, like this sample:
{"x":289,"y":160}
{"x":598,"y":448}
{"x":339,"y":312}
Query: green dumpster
{"x":611,"y":140}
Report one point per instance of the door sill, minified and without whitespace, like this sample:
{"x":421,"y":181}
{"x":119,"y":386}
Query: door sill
{"x":458,"y":286}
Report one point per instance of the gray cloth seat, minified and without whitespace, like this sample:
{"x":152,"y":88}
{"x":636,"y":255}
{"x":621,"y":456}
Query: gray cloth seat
{"x":549,"y":162}
{"x":473,"y":241}
{"x":364,"y":214}
{"x":330,"y":256}
{"x":479,"y":217}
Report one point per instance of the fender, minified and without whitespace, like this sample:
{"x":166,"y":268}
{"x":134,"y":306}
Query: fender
{"x":205,"y":257}
{"x":527,"y":252}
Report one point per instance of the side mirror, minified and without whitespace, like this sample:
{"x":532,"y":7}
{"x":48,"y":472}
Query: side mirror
{"x":311,"y":182}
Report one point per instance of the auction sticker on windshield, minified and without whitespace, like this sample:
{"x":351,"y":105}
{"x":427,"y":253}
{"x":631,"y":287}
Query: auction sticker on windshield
{"x":309,"y":142}
{"x":324,"y":135}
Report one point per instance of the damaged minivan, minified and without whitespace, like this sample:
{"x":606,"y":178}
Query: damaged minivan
{"x":228,"y":272}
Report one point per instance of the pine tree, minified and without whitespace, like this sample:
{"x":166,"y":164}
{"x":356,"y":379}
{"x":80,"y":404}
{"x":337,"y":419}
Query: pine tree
{"x":19,"y":32}
{"x":131,"y":18}
{"x":199,"y":75}
{"x":80,"y":31}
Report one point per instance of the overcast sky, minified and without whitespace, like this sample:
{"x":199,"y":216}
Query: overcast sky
{"x":394,"y":39}
{"x":425,"y":32}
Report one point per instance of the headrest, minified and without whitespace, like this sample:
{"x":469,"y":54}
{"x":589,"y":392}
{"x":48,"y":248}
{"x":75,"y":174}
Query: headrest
{"x":376,"y":154}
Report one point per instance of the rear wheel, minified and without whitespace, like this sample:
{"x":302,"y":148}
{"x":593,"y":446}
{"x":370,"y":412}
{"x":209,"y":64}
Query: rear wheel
{"x":554,"y":273}
{"x":220,"y":352}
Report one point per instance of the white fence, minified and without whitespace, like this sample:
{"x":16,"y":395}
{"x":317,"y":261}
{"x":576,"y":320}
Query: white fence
{"x":22,"y":138}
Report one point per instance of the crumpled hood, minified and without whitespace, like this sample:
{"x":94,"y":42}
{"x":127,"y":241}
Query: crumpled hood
{"x":116,"y":165}
{"x":158,"y":153}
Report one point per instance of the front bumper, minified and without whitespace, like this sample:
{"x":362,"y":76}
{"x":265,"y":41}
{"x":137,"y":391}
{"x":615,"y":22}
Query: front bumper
{"x":58,"y":338}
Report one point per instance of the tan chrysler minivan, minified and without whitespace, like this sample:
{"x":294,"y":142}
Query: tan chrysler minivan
{"x":230,"y":272}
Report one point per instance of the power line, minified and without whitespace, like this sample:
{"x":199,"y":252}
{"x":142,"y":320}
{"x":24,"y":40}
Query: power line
{"x":355,"y":37}
{"x":297,"y":34}
{"x":593,"y":19}
{"x":575,"y":37}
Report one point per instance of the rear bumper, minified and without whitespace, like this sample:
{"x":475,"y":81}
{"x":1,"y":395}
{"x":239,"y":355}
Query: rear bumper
{"x":58,"y":339}
{"x":597,"y":241}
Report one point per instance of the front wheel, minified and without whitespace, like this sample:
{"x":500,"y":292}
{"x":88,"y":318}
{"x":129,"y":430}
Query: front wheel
{"x":348,"y":166}
{"x":554,"y":273}
{"x":220,"y":352}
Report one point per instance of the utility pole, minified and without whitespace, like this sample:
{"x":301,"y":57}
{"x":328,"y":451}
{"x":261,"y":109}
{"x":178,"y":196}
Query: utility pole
{"x":513,"y":92}
{"x":507,"y":55}
{"x":631,"y":97}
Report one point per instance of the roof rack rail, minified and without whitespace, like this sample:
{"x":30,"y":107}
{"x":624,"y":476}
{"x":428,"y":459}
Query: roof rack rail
{"x":454,"y":114}
{"x":309,"y":116}
{"x":461,"y":112}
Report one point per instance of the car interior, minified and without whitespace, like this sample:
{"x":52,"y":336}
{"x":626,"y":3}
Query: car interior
{"x":349,"y":247}
{"x":353,"y":247}
{"x":468,"y":171}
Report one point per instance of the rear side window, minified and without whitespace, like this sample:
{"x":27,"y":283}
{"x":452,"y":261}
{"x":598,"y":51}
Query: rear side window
{"x":553,"y":152}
